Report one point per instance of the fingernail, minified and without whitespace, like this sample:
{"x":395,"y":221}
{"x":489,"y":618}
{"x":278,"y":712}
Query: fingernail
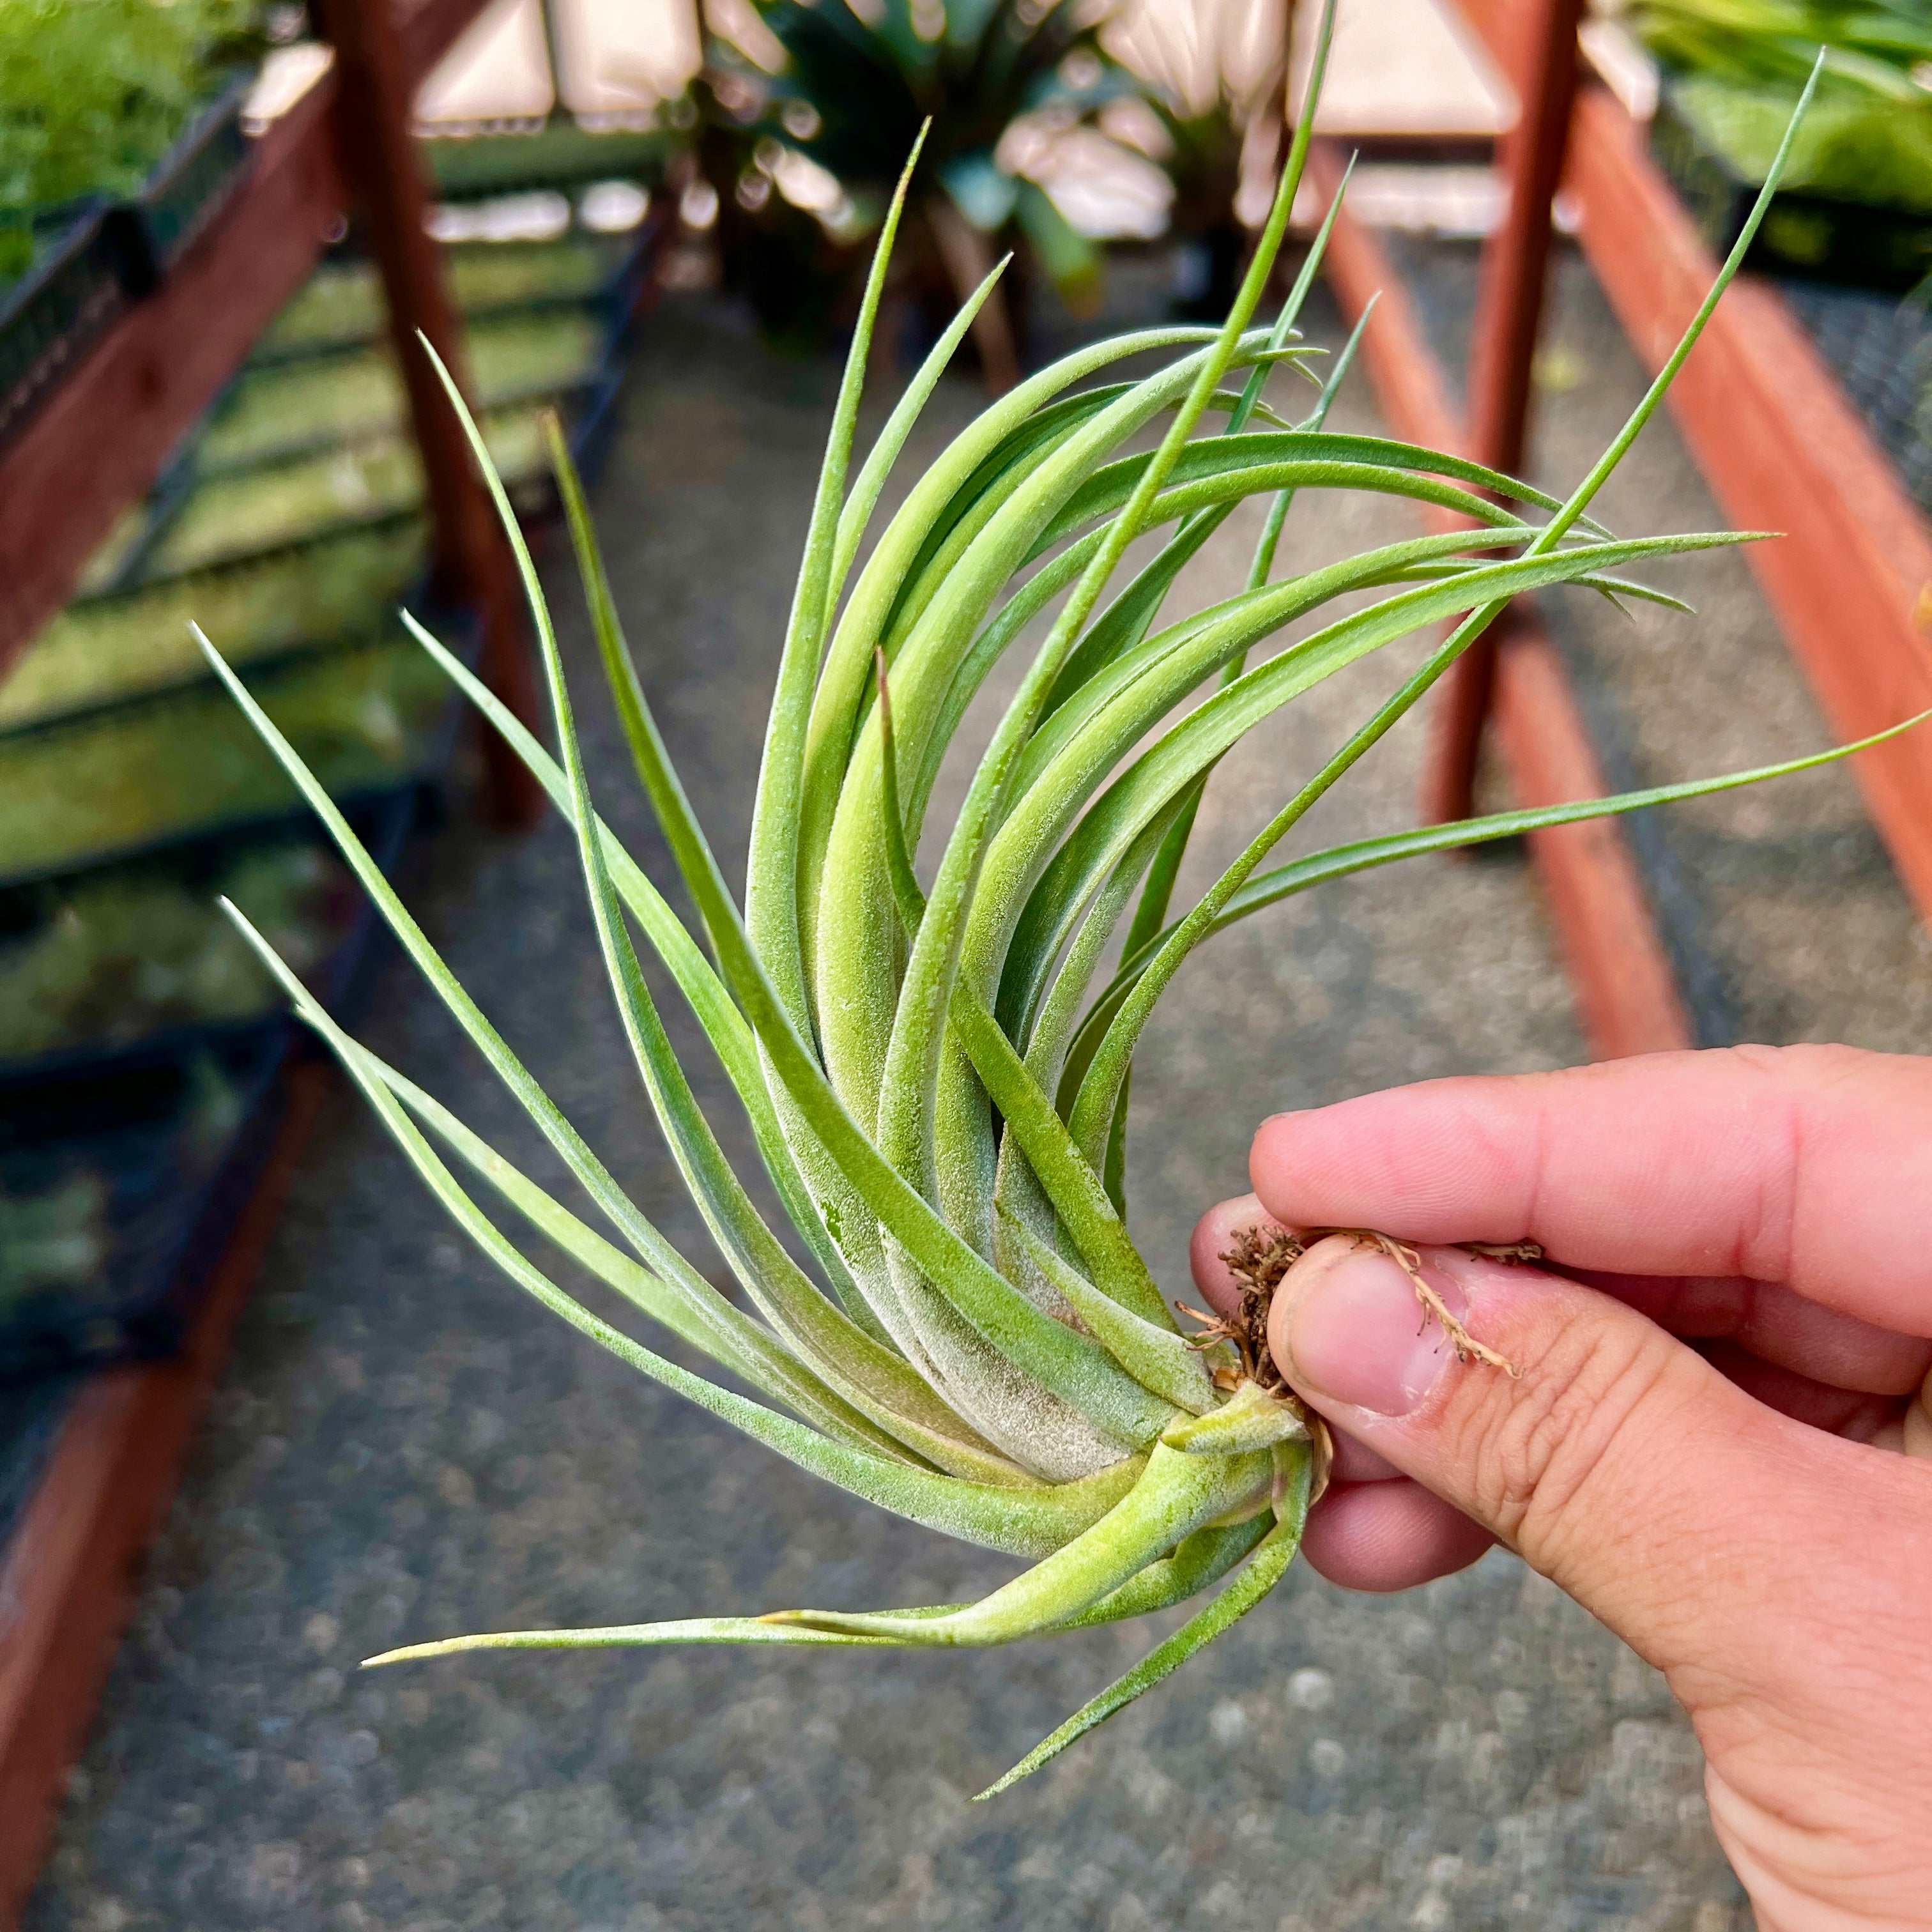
{"x":1356,"y":1333}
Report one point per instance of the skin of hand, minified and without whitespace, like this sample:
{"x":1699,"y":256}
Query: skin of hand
{"x":1718,"y":1365}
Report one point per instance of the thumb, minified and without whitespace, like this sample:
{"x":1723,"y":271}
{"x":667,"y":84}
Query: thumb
{"x":1608,"y":1455}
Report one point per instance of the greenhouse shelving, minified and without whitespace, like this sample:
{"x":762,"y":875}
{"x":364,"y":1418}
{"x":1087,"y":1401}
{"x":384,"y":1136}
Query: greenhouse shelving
{"x":97,"y":443}
{"x":70,"y":1565}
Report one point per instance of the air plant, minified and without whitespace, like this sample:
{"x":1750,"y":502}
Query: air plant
{"x":934,"y":1086}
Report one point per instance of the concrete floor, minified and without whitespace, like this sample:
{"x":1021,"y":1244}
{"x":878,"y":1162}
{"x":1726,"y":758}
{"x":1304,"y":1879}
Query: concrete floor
{"x":405,"y":1447}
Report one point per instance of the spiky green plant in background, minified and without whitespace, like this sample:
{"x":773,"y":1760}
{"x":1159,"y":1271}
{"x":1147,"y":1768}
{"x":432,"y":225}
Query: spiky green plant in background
{"x":1738,"y":64}
{"x":93,"y":92}
{"x":935,"y":1088}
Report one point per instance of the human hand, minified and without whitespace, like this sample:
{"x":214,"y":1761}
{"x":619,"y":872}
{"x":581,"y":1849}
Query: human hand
{"x":1715,"y":1370}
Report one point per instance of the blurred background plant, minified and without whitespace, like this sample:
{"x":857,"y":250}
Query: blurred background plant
{"x":1734,"y":67}
{"x":1217,"y":69}
{"x":93,"y":93}
{"x":1056,"y":127}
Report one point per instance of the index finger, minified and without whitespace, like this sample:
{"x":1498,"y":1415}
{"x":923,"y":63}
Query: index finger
{"x":1811,"y":1166}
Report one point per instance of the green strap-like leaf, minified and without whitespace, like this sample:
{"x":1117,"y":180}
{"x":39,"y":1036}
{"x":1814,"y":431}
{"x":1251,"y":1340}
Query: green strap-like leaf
{"x":1189,"y":747}
{"x":873,"y":1382}
{"x":1176,"y":1495}
{"x":912,"y":1416}
{"x":880,"y":459}
{"x":1067,"y":1366}
{"x":628,"y":1637}
{"x":1270,"y":888}
{"x":726,"y":1029}
{"x":1201,"y":1560}
{"x":1266,"y":1569}
{"x":1100,"y":1090}
{"x":1157,"y":1358}
{"x":774,"y":817}
{"x":1216,"y":456}
{"x":908,"y":1093}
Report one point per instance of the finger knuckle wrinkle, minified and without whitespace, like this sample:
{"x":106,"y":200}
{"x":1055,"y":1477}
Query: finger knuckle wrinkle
{"x":1538,"y":1445}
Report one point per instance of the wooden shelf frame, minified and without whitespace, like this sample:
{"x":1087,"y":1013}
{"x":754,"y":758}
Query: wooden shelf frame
{"x":1850,"y":582}
{"x":1850,"y":579}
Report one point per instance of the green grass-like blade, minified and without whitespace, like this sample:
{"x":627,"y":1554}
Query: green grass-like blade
{"x":1093,"y":1111}
{"x":729,"y":1032}
{"x":664,"y":1260}
{"x":1024,"y":1522}
{"x":771,"y":908}
{"x":1070,"y":1184}
{"x":1264,"y":1569}
{"x":843,"y":1361}
{"x":880,"y":457}
{"x":1177,"y":1494}
{"x":876,"y":598}
{"x":1158,"y":891}
{"x":1201,"y":1560}
{"x":625,"y":1636}
{"x":1216,"y":456}
{"x":911,"y":1417}
{"x":911,"y":1069}
{"x":1270,"y":888}
{"x":909,"y":1089}
{"x":1067,"y":1365}
{"x":1190,"y":747}
{"x":906,"y":893}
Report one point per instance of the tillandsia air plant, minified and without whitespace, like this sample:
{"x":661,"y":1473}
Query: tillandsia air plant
{"x":933,"y":1081}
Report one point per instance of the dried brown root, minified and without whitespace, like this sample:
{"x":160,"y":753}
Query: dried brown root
{"x":1258,"y":1259}
{"x":1503,"y":1251}
{"x":1467,"y":1348}
{"x":1260,"y":1256}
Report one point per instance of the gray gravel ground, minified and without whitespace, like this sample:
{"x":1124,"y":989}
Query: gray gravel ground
{"x":404,"y":1447}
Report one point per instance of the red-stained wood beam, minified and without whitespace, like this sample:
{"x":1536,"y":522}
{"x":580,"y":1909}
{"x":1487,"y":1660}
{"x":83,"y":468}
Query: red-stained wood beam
{"x":1538,"y":52}
{"x":1627,"y":996}
{"x":474,"y":568}
{"x":1626,"y":999}
{"x":1782,"y":450}
{"x":97,"y":444}
{"x":72,"y":1567}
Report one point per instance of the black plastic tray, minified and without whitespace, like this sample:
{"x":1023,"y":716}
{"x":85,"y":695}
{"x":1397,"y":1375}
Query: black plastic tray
{"x":1880,"y":349}
{"x":382,"y":820}
{"x":239,"y":805}
{"x":73,"y":289}
{"x":561,"y":154}
{"x":173,"y":1191}
{"x":1817,"y":236}
{"x":296,"y":448}
{"x":584,"y":405}
{"x":192,"y":181}
{"x":173,"y":1185}
{"x":614,"y":297}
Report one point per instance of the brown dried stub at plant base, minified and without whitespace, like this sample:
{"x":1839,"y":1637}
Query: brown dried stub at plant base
{"x":1262,"y":1255}
{"x":935,"y":1078}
